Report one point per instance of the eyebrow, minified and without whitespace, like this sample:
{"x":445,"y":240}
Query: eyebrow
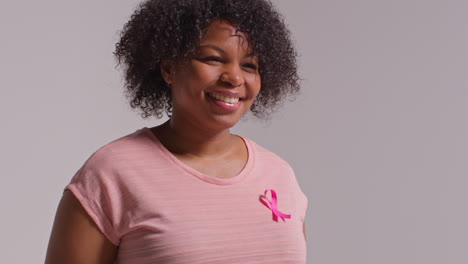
{"x":220,"y":50}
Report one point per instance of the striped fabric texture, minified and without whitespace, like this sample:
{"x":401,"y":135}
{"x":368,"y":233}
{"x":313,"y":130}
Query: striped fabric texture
{"x":157,"y":210}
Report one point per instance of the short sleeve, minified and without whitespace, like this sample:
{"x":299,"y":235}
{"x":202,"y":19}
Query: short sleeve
{"x":301,"y":198}
{"x":95,"y":187}
{"x":303,"y":204}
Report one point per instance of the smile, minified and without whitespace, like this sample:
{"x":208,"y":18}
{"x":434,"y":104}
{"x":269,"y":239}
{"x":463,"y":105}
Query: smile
{"x":226,"y":99}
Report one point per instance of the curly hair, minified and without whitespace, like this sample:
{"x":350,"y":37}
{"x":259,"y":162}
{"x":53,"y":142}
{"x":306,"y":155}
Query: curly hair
{"x":171,"y":29}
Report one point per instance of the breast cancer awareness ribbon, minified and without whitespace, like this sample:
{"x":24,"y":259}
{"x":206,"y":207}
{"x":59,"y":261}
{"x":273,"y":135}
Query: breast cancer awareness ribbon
{"x":273,"y":205}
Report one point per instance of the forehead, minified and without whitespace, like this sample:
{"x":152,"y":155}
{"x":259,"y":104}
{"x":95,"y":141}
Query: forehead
{"x":222,"y":33}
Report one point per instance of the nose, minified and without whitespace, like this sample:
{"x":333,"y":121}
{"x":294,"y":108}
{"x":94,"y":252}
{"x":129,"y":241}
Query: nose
{"x":232,"y":76}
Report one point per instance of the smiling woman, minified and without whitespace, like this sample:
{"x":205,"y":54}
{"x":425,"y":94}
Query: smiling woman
{"x":189,"y":191}
{"x":218,"y":85}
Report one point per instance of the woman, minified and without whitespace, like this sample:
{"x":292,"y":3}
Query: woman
{"x":189,"y":191}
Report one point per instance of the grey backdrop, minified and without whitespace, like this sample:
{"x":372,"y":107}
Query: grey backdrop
{"x":378,"y":138}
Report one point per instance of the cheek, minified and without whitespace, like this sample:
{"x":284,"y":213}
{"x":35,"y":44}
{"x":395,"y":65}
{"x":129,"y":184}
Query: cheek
{"x":207,"y":76}
{"x":193,"y":81}
{"x":202,"y":73}
{"x":255,"y":84}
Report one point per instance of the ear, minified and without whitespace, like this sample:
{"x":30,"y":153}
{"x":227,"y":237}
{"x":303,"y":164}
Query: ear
{"x":167,"y":70}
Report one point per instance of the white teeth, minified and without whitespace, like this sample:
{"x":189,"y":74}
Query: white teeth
{"x":225,"y":99}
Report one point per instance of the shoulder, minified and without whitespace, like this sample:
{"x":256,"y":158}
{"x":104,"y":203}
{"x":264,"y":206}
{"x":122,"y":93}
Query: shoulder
{"x":266,"y":156}
{"x":113,"y":166}
{"x":281,"y":175}
{"x":121,"y":151}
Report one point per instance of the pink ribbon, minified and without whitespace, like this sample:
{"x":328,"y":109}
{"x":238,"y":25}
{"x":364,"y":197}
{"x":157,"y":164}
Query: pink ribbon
{"x":273,"y":205}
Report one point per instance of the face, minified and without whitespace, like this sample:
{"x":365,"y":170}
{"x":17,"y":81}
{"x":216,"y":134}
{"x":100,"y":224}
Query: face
{"x":218,"y":85}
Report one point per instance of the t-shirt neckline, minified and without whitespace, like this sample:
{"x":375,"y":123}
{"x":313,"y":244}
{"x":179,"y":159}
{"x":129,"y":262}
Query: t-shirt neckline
{"x":206,"y":178}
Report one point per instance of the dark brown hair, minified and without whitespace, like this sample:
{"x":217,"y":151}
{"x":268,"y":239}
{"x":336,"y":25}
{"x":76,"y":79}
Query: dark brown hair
{"x":171,"y":29}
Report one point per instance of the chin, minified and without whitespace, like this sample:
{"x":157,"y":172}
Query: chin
{"x":221,"y":123}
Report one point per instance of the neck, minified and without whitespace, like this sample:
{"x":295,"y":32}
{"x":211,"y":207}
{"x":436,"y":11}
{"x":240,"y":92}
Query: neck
{"x":183,"y":138}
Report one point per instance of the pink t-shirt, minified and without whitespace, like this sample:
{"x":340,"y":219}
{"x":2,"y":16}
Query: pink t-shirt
{"x":156,"y":209}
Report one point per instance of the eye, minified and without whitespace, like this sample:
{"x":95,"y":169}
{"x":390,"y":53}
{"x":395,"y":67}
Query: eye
{"x":250,"y":66}
{"x":211,"y":59}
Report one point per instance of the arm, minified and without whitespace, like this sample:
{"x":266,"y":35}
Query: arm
{"x":75,"y":238}
{"x":304,"y":230}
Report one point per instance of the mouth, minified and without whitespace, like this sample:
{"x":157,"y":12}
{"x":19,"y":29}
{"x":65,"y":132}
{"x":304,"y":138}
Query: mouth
{"x":227,"y":102}
{"x":230,"y":99}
